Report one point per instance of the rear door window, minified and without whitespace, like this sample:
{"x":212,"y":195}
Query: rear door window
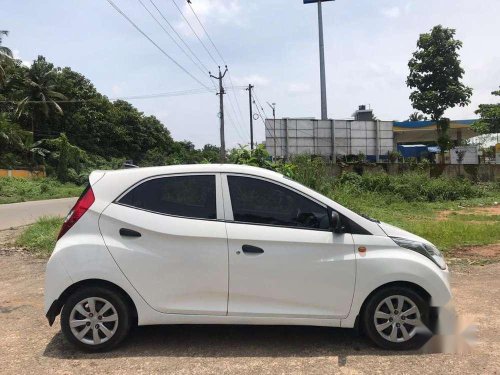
{"x":186,"y":196}
{"x":261,"y":202}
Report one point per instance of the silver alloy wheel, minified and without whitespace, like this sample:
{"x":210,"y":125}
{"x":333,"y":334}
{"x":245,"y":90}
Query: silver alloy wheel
{"x":397,"y":318}
{"x":93,"y":320}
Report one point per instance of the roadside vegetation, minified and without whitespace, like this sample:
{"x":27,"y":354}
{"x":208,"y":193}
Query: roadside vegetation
{"x":14,"y":190}
{"x":40,"y":238}
{"x":442,"y":210}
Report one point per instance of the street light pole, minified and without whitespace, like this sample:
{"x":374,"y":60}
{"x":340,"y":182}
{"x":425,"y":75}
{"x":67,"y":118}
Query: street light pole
{"x":322,"y":73}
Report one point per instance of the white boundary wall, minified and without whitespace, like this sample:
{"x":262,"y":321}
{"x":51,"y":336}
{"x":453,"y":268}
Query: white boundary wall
{"x":329,"y":137}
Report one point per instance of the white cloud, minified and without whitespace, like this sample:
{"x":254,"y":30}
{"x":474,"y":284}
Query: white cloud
{"x":299,"y":88}
{"x":254,"y":79}
{"x":17,"y":56}
{"x":117,"y":89}
{"x":210,"y":11}
{"x":391,"y":12}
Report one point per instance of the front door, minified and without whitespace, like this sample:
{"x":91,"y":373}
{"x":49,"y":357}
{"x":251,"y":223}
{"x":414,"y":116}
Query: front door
{"x":165,"y":237}
{"x":283,"y":258}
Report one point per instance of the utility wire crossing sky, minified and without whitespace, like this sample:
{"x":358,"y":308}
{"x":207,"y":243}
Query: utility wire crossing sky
{"x":162,"y":50}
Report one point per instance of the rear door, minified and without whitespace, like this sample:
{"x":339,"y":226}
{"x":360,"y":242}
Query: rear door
{"x":283,"y":258}
{"x":168,"y":237}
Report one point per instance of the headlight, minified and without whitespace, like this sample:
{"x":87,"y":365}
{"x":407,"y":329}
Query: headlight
{"x":429,"y":251}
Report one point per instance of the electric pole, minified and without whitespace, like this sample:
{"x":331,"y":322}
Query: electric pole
{"x":221,"y":113}
{"x":249,"y":89}
{"x":273,"y":107}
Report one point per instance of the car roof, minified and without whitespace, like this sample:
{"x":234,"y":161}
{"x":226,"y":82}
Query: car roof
{"x":192,"y":168}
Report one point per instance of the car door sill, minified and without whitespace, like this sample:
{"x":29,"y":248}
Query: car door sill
{"x":164,"y":318}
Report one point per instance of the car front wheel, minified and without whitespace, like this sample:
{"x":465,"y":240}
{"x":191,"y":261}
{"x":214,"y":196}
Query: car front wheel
{"x":95,"y":318}
{"x":396,"y":318}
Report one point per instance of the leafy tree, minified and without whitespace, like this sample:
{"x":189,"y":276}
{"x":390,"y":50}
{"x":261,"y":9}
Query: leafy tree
{"x":490,"y":117}
{"x":62,"y":166}
{"x":417,"y":116}
{"x":98,"y":133}
{"x":39,"y":94}
{"x":435,"y":75}
{"x":210,"y":153}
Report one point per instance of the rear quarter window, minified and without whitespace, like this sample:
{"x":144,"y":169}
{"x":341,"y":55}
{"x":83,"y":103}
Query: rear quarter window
{"x":186,"y":196}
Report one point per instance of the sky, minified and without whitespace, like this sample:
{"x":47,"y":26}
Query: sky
{"x":272,"y":44}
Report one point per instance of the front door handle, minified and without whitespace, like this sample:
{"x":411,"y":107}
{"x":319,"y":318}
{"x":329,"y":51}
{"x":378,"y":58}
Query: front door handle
{"x":249,"y":249}
{"x":124,"y":232}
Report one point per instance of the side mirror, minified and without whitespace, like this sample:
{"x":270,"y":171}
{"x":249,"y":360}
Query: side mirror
{"x":336,"y":223}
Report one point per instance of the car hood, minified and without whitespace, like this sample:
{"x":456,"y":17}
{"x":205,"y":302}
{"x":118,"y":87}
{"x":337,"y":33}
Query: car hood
{"x":393,"y":231}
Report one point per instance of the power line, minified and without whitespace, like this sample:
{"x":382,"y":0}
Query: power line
{"x":194,"y":32}
{"x":240,"y":113}
{"x":231,"y":121}
{"x":179,"y":36}
{"x":238,"y":122}
{"x":147,"y":96}
{"x":154,"y":43}
{"x":260,"y":104}
{"x":136,"y":97}
{"x":172,"y":38}
{"x":206,"y":33}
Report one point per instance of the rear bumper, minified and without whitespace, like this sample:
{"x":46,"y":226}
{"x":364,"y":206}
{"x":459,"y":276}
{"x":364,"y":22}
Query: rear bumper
{"x":57,"y":281}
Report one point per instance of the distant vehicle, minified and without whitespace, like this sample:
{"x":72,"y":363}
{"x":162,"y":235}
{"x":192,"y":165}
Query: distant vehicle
{"x":230,"y":244}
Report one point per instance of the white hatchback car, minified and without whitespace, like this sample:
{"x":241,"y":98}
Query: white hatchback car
{"x":231,"y":244}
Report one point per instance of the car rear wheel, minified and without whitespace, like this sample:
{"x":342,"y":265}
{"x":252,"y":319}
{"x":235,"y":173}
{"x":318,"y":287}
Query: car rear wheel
{"x":397,"y":318}
{"x":95,"y":318}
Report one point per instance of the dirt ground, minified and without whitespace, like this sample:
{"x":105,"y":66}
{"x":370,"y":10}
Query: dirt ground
{"x":29,"y":345}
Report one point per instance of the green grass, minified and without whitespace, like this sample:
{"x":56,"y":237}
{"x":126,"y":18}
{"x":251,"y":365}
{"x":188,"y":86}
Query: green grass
{"x":13,"y":190}
{"x":40,"y":238}
{"x":454,"y":231}
{"x":383,"y":198}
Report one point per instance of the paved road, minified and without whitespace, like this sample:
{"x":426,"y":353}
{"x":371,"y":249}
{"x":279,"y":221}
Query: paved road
{"x":17,"y":214}
{"x":29,"y":345}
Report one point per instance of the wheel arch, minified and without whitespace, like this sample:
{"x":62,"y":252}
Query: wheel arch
{"x":57,"y":305}
{"x":415,"y":287}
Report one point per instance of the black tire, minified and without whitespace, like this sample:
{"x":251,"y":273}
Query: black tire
{"x":422,"y":333}
{"x":119,"y":304}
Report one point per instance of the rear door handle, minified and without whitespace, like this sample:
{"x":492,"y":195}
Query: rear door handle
{"x":249,"y":249}
{"x":124,"y":232}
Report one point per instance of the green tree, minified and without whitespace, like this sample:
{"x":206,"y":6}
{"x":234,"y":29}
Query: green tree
{"x":210,"y":153}
{"x":490,"y":117}
{"x":435,"y":77}
{"x":5,"y":55}
{"x":4,"y":50}
{"x":417,"y":116}
{"x":39,"y":95}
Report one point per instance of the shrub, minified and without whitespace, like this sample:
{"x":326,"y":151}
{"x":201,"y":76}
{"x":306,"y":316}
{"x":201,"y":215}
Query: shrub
{"x":413,"y":186}
{"x":313,"y":172}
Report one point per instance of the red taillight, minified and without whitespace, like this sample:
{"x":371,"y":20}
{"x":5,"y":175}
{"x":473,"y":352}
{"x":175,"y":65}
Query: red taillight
{"x":81,"y":206}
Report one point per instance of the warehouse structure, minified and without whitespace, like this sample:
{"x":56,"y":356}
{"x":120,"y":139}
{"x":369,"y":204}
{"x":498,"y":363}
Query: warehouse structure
{"x":329,"y":138}
{"x":363,"y":134}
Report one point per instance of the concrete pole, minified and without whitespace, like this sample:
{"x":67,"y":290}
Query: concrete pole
{"x":324,"y":110}
{"x":250,"y":87}
{"x":377,"y":141}
{"x":221,"y":114}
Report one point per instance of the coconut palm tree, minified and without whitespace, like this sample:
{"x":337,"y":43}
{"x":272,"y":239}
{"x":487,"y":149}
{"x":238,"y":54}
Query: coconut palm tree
{"x":39,"y":96}
{"x":4,"y":50}
{"x":5,"y":54}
